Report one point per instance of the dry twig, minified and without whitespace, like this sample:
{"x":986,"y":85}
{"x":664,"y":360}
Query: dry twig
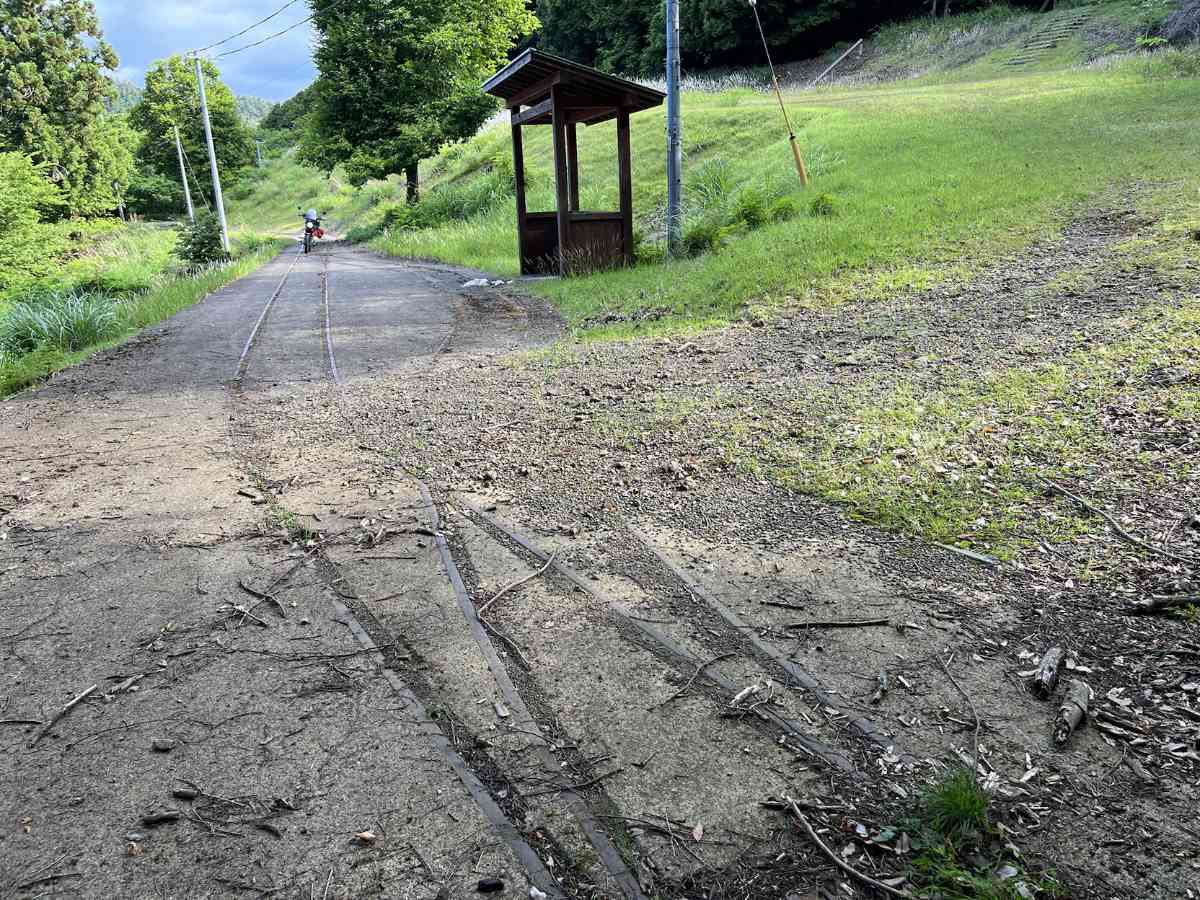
{"x":974,"y":712}
{"x":517,"y":584}
{"x":62,"y":712}
{"x":838,"y":861}
{"x":1120,"y":532}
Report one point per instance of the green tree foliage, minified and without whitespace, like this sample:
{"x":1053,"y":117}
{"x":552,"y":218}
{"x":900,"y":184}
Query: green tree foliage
{"x":287,"y":115}
{"x":172,"y":97}
{"x":400,"y":79}
{"x":27,"y":198}
{"x":53,"y":88}
{"x":630,"y":35}
{"x":125,"y":95}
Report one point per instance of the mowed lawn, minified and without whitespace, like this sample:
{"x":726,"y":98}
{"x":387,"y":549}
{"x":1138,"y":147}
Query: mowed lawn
{"x":925,"y":178}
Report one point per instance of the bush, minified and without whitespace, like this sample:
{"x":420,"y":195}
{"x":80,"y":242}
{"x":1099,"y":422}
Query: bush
{"x":750,"y":209}
{"x":823,"y":205}
{"x":784,"y":208}
{"x":702,"y":237}
{"x":200,"y":244}
{"x":65,"y":322}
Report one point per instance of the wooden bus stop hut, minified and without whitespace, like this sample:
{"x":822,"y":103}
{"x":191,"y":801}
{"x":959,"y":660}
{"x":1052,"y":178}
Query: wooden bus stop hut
{"x":543,"y":89}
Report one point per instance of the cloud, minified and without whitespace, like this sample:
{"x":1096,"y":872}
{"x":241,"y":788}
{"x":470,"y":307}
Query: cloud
{"x":143,"y":31}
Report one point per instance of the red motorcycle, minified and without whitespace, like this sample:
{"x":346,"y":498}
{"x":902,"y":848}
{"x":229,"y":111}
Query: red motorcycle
{"x":312,"y":230}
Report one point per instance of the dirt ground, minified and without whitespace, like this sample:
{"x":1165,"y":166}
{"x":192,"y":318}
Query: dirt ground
{"x":355,"y":603}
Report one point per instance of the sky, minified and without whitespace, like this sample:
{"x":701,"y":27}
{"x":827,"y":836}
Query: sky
{"x":142,"y":31}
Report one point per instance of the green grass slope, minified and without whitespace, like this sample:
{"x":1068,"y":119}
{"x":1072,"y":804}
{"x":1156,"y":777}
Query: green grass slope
{"x":913,"y":180}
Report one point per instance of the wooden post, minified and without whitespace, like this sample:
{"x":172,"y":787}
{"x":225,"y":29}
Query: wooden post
{"x":573,"y":165}
{"x":519,"y":183}
{"x":562,"y":188}
{"x":625,"y":163}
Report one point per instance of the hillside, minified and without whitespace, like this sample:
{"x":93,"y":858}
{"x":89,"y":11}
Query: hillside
{"x":921,"y":186}
{"x":252,"y":109}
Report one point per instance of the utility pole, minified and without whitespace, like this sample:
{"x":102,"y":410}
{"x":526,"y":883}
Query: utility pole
{"x":218,"y":199}
{"x":674,"y":135}
{"x":258,"y":152}
{"x":187,"y":191}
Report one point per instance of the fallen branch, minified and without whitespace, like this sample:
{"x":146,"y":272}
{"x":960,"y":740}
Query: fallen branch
{"x":700,"y":668}
{"x":62,"y":712}
{"x":837,"y":860}
{"x":782,"y":605}
{"x":841,"y":623}
{"x":577,"y":787}
{"x":1120,"y":532}
{"x":517,"y":584}
{"x":265,"y":597}
{"x":1045,"y":677}
{"x":1073,"y":712}
{"x":974,"y":712}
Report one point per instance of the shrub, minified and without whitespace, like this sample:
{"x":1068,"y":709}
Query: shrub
{"x":750,"y":209}
{"x":27,"y":199}
{"x":823,"y":205}
{"x":702,"y":237}
{"x":200,"y":243}
{"x":784,"y":208}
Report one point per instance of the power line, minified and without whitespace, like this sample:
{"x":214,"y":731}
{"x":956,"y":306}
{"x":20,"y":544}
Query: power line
{"x":272,"y":37}
{"x":286,"y":6}
{"x":199,"y":187}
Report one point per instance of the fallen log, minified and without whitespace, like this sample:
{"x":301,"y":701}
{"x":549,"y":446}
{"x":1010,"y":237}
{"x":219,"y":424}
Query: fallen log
{"x":1045,"y":677}
{"x":1073,"y":712}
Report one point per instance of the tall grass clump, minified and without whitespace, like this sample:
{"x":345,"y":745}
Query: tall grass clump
{"x":67,"y":321}
{"x":956,"y":808}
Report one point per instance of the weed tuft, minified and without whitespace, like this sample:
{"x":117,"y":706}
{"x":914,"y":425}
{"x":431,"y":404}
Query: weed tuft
{"x":823,"y":205}
{"x":956,"y":808}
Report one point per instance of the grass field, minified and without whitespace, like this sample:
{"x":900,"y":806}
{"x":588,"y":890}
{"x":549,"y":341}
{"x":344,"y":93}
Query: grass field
{"x":922,"y":176}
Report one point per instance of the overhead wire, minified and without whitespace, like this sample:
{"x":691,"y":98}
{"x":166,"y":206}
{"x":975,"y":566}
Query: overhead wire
{"x":199,"y":188}
{"x":277,"y":34}
{"x":250,"y":28}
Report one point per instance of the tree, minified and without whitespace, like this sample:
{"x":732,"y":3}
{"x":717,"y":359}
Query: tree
{"x":27,"y":198}
{"x":630,"y":35}
{"x":172,"y":97}
{"x":53,"y":89}
{"x":286,"y":116}
{"x":399,"y":79}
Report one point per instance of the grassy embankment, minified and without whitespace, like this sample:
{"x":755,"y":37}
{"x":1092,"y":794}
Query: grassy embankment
{"x":923,"y":181}
{"x":120,"y":279}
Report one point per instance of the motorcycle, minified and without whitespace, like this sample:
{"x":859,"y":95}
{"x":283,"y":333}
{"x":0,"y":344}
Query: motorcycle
{"x":312,"y":231}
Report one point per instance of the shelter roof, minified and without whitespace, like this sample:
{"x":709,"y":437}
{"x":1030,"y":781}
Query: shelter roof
{"x":527,"y":81}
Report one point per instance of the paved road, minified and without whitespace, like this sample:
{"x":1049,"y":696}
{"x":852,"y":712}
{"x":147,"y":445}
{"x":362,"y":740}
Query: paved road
{"x":143,"y":561}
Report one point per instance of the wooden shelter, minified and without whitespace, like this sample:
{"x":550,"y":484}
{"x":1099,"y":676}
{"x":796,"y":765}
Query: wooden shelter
{"x":543,"y":89}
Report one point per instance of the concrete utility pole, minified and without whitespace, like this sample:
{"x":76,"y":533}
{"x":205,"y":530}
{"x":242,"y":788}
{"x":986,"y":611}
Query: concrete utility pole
{"x":674,"y":136}
{"x":258,"y":152}
{"x":218,"y":200}
{"x":187,"y":191}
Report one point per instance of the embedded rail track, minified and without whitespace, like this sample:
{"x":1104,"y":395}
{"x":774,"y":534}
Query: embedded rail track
{"x":511,"y":788}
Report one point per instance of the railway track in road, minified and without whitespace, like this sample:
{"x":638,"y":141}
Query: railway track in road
{"x":591,"y":818}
